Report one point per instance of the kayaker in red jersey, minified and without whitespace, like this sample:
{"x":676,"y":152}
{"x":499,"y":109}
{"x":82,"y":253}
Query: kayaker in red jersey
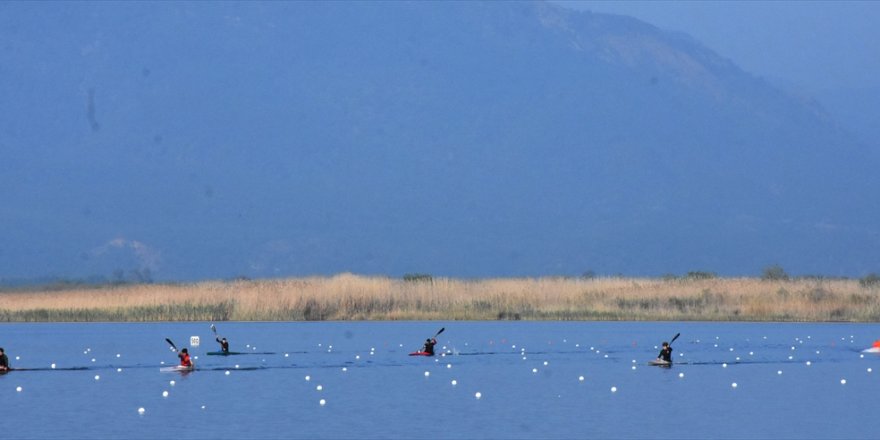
{"x":429,"y":346}
{"x":877,"y":343}
{"x":185,"y":361}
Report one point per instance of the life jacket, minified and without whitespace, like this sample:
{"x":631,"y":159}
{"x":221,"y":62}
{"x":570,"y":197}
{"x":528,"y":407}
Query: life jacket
{"x":877,"y":343}
{"x":184,"y":360}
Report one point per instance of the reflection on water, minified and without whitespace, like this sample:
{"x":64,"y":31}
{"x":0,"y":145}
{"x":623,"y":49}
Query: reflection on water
{"x":355,"y":380}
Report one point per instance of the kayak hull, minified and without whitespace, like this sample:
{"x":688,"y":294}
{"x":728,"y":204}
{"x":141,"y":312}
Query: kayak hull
{"x":177,"y":369}
{"x":421,"y":353}
{"x":660,"y":363}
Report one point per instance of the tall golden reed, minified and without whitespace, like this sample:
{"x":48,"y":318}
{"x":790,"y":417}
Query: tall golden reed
{"x":353,"y":297}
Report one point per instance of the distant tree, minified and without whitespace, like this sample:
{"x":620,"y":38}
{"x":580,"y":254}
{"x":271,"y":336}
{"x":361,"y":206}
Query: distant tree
{"x":418,"y":277}
{"x":774,"y":272}
{"x":870,"y":280}
{"x":701,"y":275}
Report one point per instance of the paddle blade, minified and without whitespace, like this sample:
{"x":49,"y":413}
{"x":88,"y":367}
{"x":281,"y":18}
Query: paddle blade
{"x":173,"y":347}
{"x":213,"y":329}
{"x":441,"y":331}
{"x":674,"y":338}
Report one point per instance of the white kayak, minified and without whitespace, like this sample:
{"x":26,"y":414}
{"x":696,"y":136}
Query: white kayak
{"x":660,"y":363}
{"x":871,"y":350}
{"x":177,"y":368}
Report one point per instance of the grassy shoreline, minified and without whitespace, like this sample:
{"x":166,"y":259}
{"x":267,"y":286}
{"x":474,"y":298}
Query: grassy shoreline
{"x":353,"y":297}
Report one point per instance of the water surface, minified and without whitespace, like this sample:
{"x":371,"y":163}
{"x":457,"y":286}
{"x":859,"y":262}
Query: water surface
{"x":535,"y":380}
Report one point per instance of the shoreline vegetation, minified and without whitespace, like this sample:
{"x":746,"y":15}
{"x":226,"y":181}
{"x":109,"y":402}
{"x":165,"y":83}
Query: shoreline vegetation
{"x":422,"y":297}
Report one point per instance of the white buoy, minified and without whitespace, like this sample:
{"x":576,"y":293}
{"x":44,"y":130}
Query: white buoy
{"x":633,"y":367}
{"x":322,"y":402}
{"x":141,"y":411}
{"x":809,"y":363}
{"x":546,"y":363}
{"x":581,"y":378}
{"x":454,"y":382}
{"x":724,"y":365}
{"x":869,"y":370}
{"x":53,"y":366}
{"x":680,"y":375}
{"x":733,"y":385}
{"x":319,"y":387}
{"x":779,"y":372}
{"x":344,"y":369}
{"x":93,"y":359}
{"x":18,"y":389}
{"x":172,"y":383}
{"x":308,"y":378}
{"x":478,"y":395}
{"x":227,"y":372}
{"x":357,"y":356}
{"x":286,"y":355}
{"x":97,"y":377}
{"x":427,"y":373}
{"x":613,"y":389}
{"x":118,"y":355}
{"x":534,"y":370}
{"x":606,"y":356}
{"x":164,"y":393}
{"x":203,"y":406}
{"x":119,"y":370}
{"x":236,"y":366}
{"x":843,"y":381}
{"x":448,"y":366}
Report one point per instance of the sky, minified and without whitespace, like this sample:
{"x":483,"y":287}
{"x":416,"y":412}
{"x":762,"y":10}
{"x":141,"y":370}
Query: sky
{"x":815,"y":45}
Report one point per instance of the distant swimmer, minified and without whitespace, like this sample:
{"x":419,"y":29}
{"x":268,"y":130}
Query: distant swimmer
{"x":4,"y":361}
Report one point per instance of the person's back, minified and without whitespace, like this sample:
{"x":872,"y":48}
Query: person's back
{"x":4,"y":361}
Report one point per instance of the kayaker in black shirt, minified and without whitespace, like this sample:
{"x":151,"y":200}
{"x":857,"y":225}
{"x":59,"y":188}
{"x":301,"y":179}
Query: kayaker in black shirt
{"x":429,"y":346}
{"x":4,"y":361}
{"x":665,"y":353}
{"x":224,"y":344}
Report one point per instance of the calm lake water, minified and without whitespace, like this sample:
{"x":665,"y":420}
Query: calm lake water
{"x":534,"y":379}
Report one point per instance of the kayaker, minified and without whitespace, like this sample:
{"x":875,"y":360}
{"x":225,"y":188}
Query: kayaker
{"x":877,"y":343}
{"x":4,"y":361}
{"x":665,"y":353}
{"x":224,"y":344}
{"x":185,"y":361}
{"x":429,"y":346}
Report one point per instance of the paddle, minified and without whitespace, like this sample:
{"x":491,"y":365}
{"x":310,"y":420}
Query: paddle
{"x":674,"y":338}
{"x":173,"y":347}
{"x":214,"y":329}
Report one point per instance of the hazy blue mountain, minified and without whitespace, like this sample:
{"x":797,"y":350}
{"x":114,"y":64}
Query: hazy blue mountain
{"x":212,"y":140}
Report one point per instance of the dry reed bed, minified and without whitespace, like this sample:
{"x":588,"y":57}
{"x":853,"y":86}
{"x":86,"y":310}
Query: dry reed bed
{"x":352,"y":297}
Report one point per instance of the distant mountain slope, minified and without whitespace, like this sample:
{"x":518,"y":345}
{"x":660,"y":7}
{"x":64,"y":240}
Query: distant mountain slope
{"x":201,"y":140}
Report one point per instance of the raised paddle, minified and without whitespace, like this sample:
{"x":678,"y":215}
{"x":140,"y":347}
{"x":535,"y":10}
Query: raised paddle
{"x":173,"y":347}
{"x":440,"y":331}
{"x":674,"y":338}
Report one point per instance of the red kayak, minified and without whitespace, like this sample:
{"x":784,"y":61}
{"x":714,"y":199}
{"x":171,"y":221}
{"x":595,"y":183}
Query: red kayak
{"x":421,"y":353}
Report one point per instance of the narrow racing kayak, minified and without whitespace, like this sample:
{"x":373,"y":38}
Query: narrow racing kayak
{"x":177,"y":368}
{"x":660,"y":363}
{"x":871,"y":350}
{"x":421,"y":353}
{"x":223,"y":353}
